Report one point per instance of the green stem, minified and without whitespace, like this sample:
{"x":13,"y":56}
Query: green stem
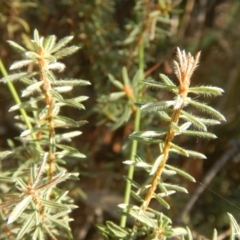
{"x":134,"y":142}
{"x":16,"y":97}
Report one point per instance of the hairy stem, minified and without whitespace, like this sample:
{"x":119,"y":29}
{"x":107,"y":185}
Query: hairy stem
{"x":50,"y":103}
{"x":184,"y":69}
{"x":165,"y":152}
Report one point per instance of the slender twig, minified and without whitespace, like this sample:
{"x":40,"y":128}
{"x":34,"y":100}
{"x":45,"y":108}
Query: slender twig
{"x":50,"y":103}
{"x":134,"y":142}
{"x":184,"y":68}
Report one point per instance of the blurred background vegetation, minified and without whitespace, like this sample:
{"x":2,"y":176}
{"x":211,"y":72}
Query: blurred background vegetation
{"x":104,"y":30}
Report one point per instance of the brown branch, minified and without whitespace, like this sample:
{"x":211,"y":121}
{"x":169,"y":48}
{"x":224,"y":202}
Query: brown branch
{"x":184,"y":68}
{"x":50,"y":103}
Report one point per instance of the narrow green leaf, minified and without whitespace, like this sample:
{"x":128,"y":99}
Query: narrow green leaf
{"x":156,"y":84}
{"x":132,"y":36}
{"x":28,"y":81}
{"x":136,"y":197}
{"x":54,"y":205}
{"x":214,"y":237}
{"x":136,"y":80}
{"x":153,"y":138}
{"x":185,"y":126}
{"x":189,"y":234}
{"x":115,"y":82}
{"x":27,"y":104}
{"x":13,"y":77}
{"x":208,"y":121}
{"x":6,"y":179}
{"x":195,"y":154}
{"x":56,"y":66}
{"x":17,"y":46}
{"x":162,"y":187}
{"x":149,"y":134}
{"x":19,"y":208}
{"x":166,"y":194}
{"x":143,"y":165}
{"x":58,"y":178}
{"x":32,"y":88}
{"x":143,"y":218}
{"x":155,"y":13}
{"x":195,"y":120}
{"x":175,"y":126}
{"x":103,"y":229}
{"x":162,"y":201}
{"x":63,"y":89}
{"x":206,"y":90}
{"x":70,"y":103}
{"x":21,"y":183}
{"x":205,"y":108}
{"x":165,"y":21}
{"x":68,"y":136}
{"x":49,"y":42}
{"x":67,"y":120}
{"x":32,"y":55}
{"x":164,"y":116}
{"x":155,"y":106}
{"x":20,"y":64}
{"x":79,"y":99}
{"x":56,"y":95}
{"x":37,"y":233}
{"x":169,"y":172}
{"x":116,"y":95}
{"x":129,"y":162}
{"x":125,"y":77}
{"x":72,"y":82}
{"x":61,"y":214}
{"x":133,"y":183}
{"x":116,"y":230}
{"x":167,"y":81}
{"x":123,"y":118}
{"x":163,"y":218}
{"x":62,"y":124}
{"x":33,"y":130}
{"x":156,"y":164}
{"x":49,"y":58}
{"x":58,"y":222}
{"x":235,"y":229}
{"x":36,"y":36}
{"x":68,"y":148}
{"x":198,"y":134}
{"x":178,"y":231}
{"x":4,"y":154}
{"x":65,"y":153}
{"x":128,"y":206}
{"x":26,"y":227}
{"x":180,"y":172}
{"x":61,"y":43}
{"x":175,"y":187}
{"x":175,"y":148}
{"x":65,"y":52}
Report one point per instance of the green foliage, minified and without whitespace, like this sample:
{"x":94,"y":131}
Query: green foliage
{"x":34,"y":204}
{"x":149,"y":223}
{"x":139,"y":35}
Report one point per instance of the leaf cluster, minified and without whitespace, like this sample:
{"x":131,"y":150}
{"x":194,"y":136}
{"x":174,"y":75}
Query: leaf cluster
{"x":149,"y":223}
{"x":34,"y":204}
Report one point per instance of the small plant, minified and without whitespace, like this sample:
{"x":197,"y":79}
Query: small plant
{"x":31,"y":200}
{"x":179,"y":113}
{"x":34,"y":200}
